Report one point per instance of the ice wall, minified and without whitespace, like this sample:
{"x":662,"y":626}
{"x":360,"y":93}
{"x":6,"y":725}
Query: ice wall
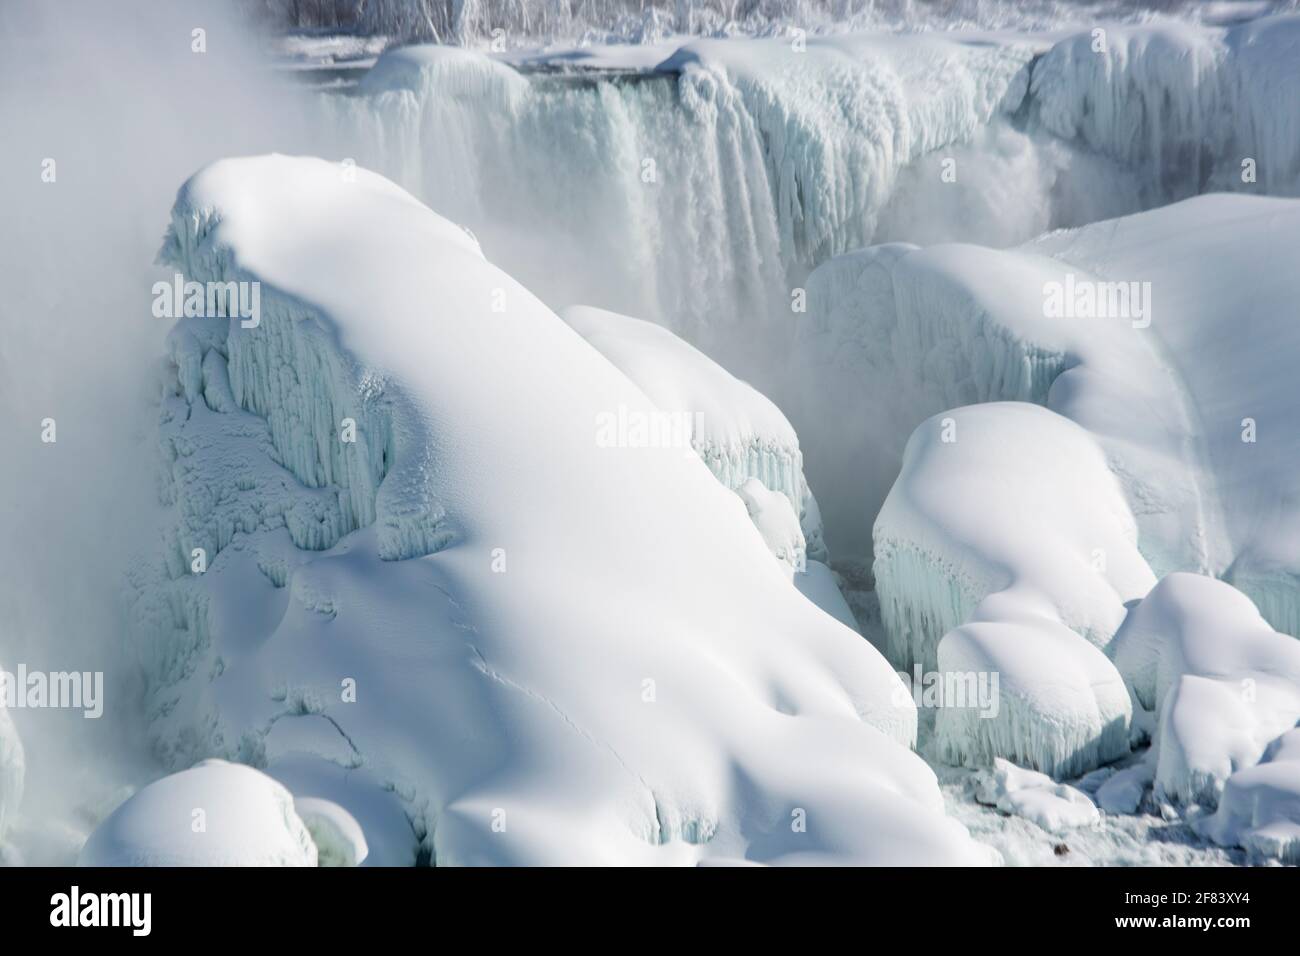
{"x":491,"y":682}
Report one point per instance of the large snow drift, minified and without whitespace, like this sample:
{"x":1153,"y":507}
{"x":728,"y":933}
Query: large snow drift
{"x":552,"y":651}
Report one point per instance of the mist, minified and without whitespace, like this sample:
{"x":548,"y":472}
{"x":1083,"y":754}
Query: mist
{"x":106,"y":110}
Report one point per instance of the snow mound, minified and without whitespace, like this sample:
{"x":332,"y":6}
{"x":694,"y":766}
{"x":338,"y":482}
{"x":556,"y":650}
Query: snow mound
{"x":1222,"y":683}
{"x":1011,"y":499}
{"x":337,"y":835}
{"x":214,"y":814}
{"x":1061,"y":706}
{"x":13,"y":767}
{"x":737,"y":430}
{"x":1055,"y":807}
{"x":1260,"y":807}
{"x":423,"y":560}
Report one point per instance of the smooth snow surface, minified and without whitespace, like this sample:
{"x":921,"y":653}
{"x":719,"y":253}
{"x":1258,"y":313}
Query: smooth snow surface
{"x":214,"y":814}
{"x":551,"y":650}
{"x":737,"y":430}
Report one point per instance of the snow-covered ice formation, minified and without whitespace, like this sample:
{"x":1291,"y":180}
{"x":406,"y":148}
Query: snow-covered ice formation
{"x":710,"y":175}
{"x":1260,"y":806}
{"x":1006,"y":548}
{"x":1221,"y":683}
{"x":214,"y":814}
{"x":1062,"y":708}
{"x":1055,"y":807}
{"x":1168,"y":376}
{"x":1004,"y":499}
{"x":416,"y":551}
{"x":738,"y":431}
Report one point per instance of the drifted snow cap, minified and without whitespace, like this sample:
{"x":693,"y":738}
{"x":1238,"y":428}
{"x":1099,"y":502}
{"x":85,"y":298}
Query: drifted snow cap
{"x":214,"y":814}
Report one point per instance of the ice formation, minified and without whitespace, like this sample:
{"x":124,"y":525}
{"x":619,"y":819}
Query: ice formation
{"x":214,"y":814}
{"x":1188,"y":410}
{"x":549,"y":651}
{"x":1028,"y":585}
{"x":1221,"y":683}
{"x":737,"y":430}
{"x":1052,"y":536}
{"x":711,"y":175}
{"x":338,"y":837}
{"x":13,"y":766}
{"x":1260,"y":806}
{"x":1062,"y":708}
{"x":1038,"y":798}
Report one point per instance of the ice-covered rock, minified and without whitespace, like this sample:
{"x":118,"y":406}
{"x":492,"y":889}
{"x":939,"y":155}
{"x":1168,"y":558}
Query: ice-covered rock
{"x":776,"y":522}
{"x":214,"y":814}
{"x":739,"y":433}
{"x":1010,"y":499}
{"x":1222,"y":683}
{"x":13,"y":768}
{"x":1055,"y":807}
{"x":549,"y":650}
{"x":337,"y":835}
{"x":1260,"y":806}
{"x":1060,"y":706}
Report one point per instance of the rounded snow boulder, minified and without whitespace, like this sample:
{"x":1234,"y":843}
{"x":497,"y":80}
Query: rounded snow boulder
{"x":1051,"y":701}
{"x":214,"y":814}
